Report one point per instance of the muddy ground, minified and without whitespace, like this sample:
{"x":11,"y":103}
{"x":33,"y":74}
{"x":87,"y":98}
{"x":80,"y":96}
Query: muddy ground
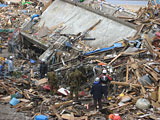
{"x":8,"y":113}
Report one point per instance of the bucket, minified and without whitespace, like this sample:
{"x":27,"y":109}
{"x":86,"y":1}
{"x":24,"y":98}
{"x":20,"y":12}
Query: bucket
{"x":41,"y":117}
{"x":14,"y":101}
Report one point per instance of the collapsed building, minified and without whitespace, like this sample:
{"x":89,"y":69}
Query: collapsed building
{"x":71,"y":34}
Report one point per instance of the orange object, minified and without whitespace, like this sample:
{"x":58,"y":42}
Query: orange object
{"x":117,"y":117}
{"x":101,"y":64}
{"x":111,"y":116}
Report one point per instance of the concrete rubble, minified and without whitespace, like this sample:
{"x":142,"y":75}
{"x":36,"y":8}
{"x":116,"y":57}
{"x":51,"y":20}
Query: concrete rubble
{"x":132,"y":60}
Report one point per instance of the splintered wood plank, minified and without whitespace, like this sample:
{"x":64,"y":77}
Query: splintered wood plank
{"x":138,"y":31}
{"x":19,"y":105}
{"x":63,"y":103}
{"x":42,"y":81}
{"x":128,"y":84}
{"x":135,"y":67}
{"x":143,"y":90}
{"x":154,"y":75}
{"x":159,"y":94}
{"x":149,"y":45}
{"x":127,"y":71}
{"x":115,"y":58}
{"x":55,"y":111}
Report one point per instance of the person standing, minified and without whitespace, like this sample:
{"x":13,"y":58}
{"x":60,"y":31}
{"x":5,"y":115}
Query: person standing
{"x":10,"y":65}
{"x":1,"y":68}
{"x":105,"y":81}
{"x":1,"y":45}
{"x":76,"y":79}
{"x":53,"y":82}
{"x":96,"y":91}
{"x":43,"y":68}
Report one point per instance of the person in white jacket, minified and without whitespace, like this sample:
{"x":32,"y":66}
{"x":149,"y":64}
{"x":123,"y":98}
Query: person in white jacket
{"x":10,"y":65}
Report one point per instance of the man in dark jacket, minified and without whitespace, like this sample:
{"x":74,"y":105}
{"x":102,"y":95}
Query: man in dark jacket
{"x":43,"y":69}
{"x":96,"y":91}
{"x":105,"y":82}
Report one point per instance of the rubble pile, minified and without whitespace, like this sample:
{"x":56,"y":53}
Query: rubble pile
{"x":14,"y":15}
{"x":133,"y":63}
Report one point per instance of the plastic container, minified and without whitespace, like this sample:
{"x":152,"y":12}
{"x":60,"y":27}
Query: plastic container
{"x":117,"y":117}
{"x":14,"y":101}
{"x":41,"y":117}
{"x":111,"y":117}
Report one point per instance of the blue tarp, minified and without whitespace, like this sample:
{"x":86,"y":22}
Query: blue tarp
{"x":3,"y":5}
{"x":1,"y":68}
{"x":35,"y":15}
{"x":105,"y":49}
{"x":32,"y":61}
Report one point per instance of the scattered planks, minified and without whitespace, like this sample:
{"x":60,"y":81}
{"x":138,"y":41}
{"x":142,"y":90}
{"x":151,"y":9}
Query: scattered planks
{"x":63,"y":103}
{"x":71,"y":117}
{"x":128,"y":84}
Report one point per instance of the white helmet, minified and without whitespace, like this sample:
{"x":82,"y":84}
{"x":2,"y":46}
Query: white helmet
{"x":43,"y":60}
{"x":10,"y":57}
{"x":104,"y":71}
{"x":97,"y":79}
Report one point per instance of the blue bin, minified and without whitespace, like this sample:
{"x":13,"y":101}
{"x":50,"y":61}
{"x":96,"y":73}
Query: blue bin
{"x":41,"y":117}
{"x":14,"y":101}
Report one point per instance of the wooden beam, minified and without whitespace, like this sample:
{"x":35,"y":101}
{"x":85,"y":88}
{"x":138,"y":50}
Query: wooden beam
{"x":121,"y":106}
{"x":47,"y":5}
{"x":63,"y":103}
{"x":128,"y":84}
{"x":127,"y":71}
{"x":55,"y":111}
{"x":138,"y":31}
{"x":115,"y":58}
{"x":149,"y":45}
{"x":159,"y":94}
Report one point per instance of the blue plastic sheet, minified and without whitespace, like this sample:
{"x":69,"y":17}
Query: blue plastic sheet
{"x":32,"y":61}
{"x":105,"y":49}
{"x":35,"y":15}
{"x":3,"y":5}
{"x":68,"y":44}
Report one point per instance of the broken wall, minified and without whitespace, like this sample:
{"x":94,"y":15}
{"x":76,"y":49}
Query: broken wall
{"x":76,"y":19}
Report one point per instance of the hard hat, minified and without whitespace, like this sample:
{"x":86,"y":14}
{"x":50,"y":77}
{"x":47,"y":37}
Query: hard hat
{"x":104,"y":71}
{"x":43,"y":60}
{"x":97,"y":79}
{"x":10,"y":57}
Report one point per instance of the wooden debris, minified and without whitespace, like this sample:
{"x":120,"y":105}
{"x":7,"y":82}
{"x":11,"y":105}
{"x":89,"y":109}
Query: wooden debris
{"x":63,"y":103}
{"x":115,"y":59}
{"x":54,"y":110}
{"x":128,"y":84}
{"x":127,"y":71}
{"x":159,"y":94}
{"x":42,"y":81}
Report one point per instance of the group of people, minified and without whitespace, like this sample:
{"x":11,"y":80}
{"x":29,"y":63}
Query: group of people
{"x":100,"y":88}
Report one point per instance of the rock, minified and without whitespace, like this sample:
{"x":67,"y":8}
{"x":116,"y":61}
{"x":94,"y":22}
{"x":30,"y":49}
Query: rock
{"x":142,"y":104}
